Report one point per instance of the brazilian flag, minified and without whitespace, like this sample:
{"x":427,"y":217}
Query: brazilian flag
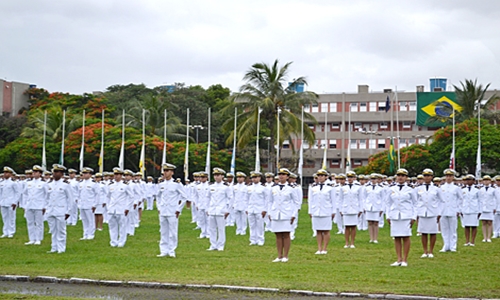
{"x":392,"y":157}
{"x":435,"y":106}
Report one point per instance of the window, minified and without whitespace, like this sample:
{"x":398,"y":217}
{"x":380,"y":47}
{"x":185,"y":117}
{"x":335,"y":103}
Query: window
{"x":315,"y":145}
{"x":411,"y":142}
{"x":357,"y":162}
{"x":354,"y":144}
{"x":373,"y":106}
{"x":335,"y":162}
{"x":324,"y":107}
{"x":286,"y":144}
{"x":335,"y":125}
{"x":381,"y":143}
{"x":322,"y":144}
{"x":362,"y":144}
{"x":307,"y":108}
{"x":402,"y":143}
{"x":305,"y":144}
{"x":406,"y":124}
{"x":354,"y":106}
{"x":357,"y":125}
{"x":381,"y":106}
{"x":333,"y":144}
{"x":374,"y":127}
{"x":362,"y":106}
{"x":333,"y":107}
{"x":373,"y":144}
{"x":314,"y":108}
{"x":403,"y":106}
{"x":311,"y":127}
{"x":413,"y":105}
{"x":384,"y":125}
{"x":422,"y":141}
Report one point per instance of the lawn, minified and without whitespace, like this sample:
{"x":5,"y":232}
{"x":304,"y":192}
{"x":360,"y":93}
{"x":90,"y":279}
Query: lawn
{"x":470,"y":272}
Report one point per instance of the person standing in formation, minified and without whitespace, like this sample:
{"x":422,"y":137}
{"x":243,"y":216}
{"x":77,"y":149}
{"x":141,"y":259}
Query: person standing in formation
{"x":351,"y":207}
{"x":257,"y":199}
{"x":373,"y":206}
{"x":9,"y":198}
{"x":401,"y":215}
{"x":89,"y":193}
{"x":269,"y":183}
{"x":202,"y":196}
{"x":58,"y":207}
{"x":74,"y":183}
{"x":120,"y":202}
{"x":339,"y":183}
{"x":171,"y":198}
{"x":239,"y":204}
{"x":470,"y":210}
{"x":322,"y":210}
{"x":452,"y":197}
{"x":292,"y":180}
{"x":150,"y":193}
{"x":429,"y":207}
{"x":496,"y":217}
{"x":35,"y":195}
{"x":230,"y":218}
{"x":282,"y":212}
{"x":100,"y":202}
{"x":220,"y":195}
{"x":487,"y":207}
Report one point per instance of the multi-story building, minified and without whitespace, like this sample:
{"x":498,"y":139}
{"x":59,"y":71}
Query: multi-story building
{"x":13,"y":98}
{"x":360,"y":122}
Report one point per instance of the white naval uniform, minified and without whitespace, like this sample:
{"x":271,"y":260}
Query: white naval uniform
{"x":257,"y":204}
{"x":470,"y":206}
{"x":220,"y":195}
{"x":429,"y":207}
{"x":239,"y":206}
{"x":322,"y":205}
{"x":487,"y":202}
{"x":338,"y":216}
{"x":373,"y":203}
{"x":300,"y":197}
{"x":58,"y":205}
{"x":171,"y":198}
{"x":401,"y":202}
{"x":452,"y":196}
{"x":151,"y":191}
{"x":283,"y":205}
{"x":120,"y":200}
{"x":190,"y":192}
{"x":89,"y":194}
{"x":496,"y":221}
{"x":351,"y":196}
{"x":73,"y":216}
{"x":202,"y":196}
{"x":133,"y":216}
{"x":10,"y":195}
{"x":267,"y":221}
{"x":35,"y":196}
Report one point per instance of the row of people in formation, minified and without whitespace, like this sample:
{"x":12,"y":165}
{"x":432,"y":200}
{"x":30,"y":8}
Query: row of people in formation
{"x":348,"y":201}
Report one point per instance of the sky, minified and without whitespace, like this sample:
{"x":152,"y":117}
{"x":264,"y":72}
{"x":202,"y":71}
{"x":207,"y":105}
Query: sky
{"x":81,"y":46}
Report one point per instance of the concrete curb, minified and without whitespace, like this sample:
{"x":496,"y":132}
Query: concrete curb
{"x":143,"y":284}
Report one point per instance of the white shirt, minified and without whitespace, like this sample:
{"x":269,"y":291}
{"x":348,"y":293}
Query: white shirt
{"x":171,"y":197}
{"x":60,"y":198}
{"x":322,"y":202}
{"x":35,"y":194}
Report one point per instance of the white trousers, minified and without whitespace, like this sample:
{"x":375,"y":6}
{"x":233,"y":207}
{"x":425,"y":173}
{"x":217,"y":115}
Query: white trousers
{"x":496,"y":225}
{"x":149,"y":202}
{"x":362,"y":222}
{"x":118,"y":224}
{"x":34,"y":219}
{"x":169,"y":234}
{"x":217,"y":232}
{"x":267,"y":223}
{"x":133,"y":218}
{"x":256,"y":224}
{"x":339,"y":221}
{"x":194,"y":212}
{"x":9,"y":223}
{"x":449,"y":232}
{"x":381,"y":222}
{"x":230,"y":218}
{"x":88,"y":221}
{"x":73,"y":214}
{"x":203,"y":223}
{"x":57,"y":226}
{"x":240,"y":218}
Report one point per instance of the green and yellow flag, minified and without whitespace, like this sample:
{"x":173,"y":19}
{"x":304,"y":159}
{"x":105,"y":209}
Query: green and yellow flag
{"x":392,"y":157}
{"x":432,"y":106}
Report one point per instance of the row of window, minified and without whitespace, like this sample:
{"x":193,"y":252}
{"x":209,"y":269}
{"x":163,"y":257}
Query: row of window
{"x":359,"y":106}
{"x":359,"y":143}
{"x":356,"y":126}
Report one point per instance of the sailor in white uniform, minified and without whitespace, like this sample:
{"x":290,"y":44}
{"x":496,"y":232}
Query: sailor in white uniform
{"x":10,"y":195}
{"x":257,"y":203}
{"x":35,"y":194}
{"x":470,"y":210}
{"x":452,"y":197}
{"x":239,"y":204}
{"x":373,"y":206}
{"x":352,"y":195}
{"x":220,"y":196}
{"x":89,"y":193}
{"x":487,"y":207}
{"x":120,"y":203}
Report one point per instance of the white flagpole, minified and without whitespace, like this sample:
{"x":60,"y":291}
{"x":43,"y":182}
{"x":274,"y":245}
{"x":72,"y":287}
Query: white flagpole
{"x":101,"y":155}
{"x":121,"y":159}
{"x":142,"y":160}
{"x":478,"y":157}
{"x":453,"y":146}
{"x":326,"y":143}
{"x":397,"y":129}
{"x":301,"y":151}
{"x":207,"y":163}
{"x":348,"y":162}
{"x":257,"y":150}
{"x":164,"y":153}
{"x":233,"y":157}
{"x":186,"y":154}
{"x":278,"y":141}
{"x":82,"y":154}
{"x":44,"y":156}
{"x":61,"y":157}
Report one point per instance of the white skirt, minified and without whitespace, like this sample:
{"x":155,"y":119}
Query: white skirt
{"x":427,"y":225}
{"x":373,"y":216}
{"x":350,"y":220}
{"x":400,"y":228}
{"x":281,"y":226}
{"x":322,"y":223}
{"x":99,"y":210}
{"x":470,"y":220}
{"x":487,"y":216}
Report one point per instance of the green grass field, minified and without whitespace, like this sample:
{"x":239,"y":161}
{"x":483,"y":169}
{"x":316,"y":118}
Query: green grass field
{"x":470,"y":272}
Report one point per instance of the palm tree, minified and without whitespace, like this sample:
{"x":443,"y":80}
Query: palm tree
{"x":54,"y":124}
{"x":267,"y":88}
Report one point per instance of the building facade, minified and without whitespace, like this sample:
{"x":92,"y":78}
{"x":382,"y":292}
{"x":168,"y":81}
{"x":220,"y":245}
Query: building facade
{"x":13,"y":98}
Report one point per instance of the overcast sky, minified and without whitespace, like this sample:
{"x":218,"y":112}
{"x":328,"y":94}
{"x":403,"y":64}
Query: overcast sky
{"x":82,"y":46}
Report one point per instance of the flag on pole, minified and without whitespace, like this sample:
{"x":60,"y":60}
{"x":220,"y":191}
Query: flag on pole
{"x":278,"y":140}
{"x":257,"y":150}
{"x":207,"y":163}
{"x":61,"y":157}
{"x":348,"y":160}
{"x":325,"y":145}
{"x":233,"y":157}
{"x":121,"y":159}
{"x":301,"y":151}
{"x":387,"y":104}
{"x":435,"y":104}
{"x":44,"y":155}
{"x":478,"y":162}
{"x":101,"y":154}
{"x":142,"y":159}
{"x":392,"y":157}
{"x":164,"y":153}
{"x":82,"y":150}
{"x":186,"y":154}
{"x":452,"y":160}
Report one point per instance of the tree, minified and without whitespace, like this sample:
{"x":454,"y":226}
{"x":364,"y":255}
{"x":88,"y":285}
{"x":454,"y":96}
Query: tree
{"x":267,"y":88}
